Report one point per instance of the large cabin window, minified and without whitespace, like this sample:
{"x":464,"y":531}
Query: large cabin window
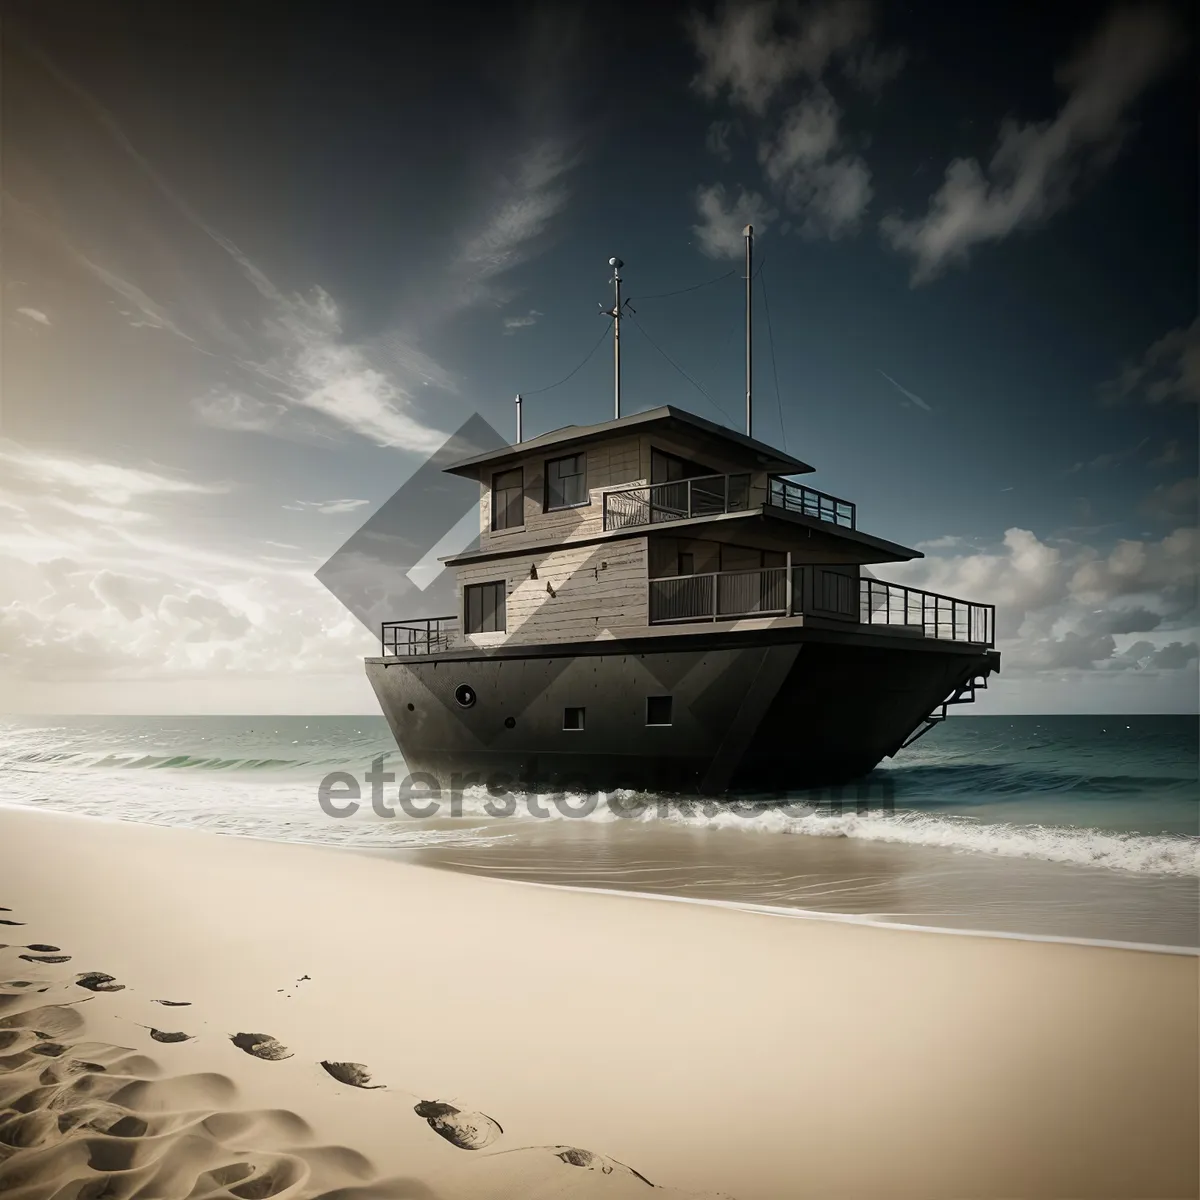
{"x":483,"y":605}
{"x":566,"y":482}
{"x":508,"y":499}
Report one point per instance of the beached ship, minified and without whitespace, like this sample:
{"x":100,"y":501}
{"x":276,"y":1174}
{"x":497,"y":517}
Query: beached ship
{"x":656,"y":603}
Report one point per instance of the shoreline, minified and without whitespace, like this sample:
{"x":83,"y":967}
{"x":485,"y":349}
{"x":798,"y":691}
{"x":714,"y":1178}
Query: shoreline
{"x":707,"y":1049}
{"x":787,"y":911}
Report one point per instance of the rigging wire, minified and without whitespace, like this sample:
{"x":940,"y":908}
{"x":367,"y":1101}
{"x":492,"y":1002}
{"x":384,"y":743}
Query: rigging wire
{"x":677,"y":367}
{"x":539,"y":391}
{"x":694,"y":288}
{"x":774,"y":369}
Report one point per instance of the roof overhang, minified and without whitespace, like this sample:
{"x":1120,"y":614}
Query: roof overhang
{"x":757,"y":455}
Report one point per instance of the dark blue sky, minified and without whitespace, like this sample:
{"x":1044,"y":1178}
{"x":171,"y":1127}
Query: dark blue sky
{"x":272,"y":253}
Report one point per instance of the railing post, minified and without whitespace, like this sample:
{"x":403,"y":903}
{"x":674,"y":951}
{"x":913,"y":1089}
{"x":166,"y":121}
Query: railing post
{"x":787,"y":588}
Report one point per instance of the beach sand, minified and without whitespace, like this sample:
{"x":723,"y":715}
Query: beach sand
{"x":533,"y":1042}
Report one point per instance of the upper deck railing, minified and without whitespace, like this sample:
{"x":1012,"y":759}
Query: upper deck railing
{"x":795,"y":497}
{"x":679,"y":500}
{"x":418,"y":635}
{"x":715,"y":495}
{"x":814,"y":590}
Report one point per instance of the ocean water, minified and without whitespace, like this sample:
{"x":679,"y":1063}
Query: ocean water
{"x":1073,"y":827}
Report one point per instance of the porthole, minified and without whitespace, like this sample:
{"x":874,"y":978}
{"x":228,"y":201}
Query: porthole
{"x":510,"y":722}
{"x":464,"y":694}
{"x":411,"y":707}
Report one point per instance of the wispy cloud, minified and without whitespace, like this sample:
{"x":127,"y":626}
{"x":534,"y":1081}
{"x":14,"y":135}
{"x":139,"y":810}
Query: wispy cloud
{"x":107,"y":482}
{"x":512,"y":324}
{"x":237,"y":412}
{"x":1035,"y":167}
{"x":35,"y":314}
{"x":719,"y":232}
{"x":1169,"y":371}
{"x":1170,"y":502}
{"x":752,"y":53}
{"x":911,"y":395}
{"x":1113,"y":458}
{"x":326,"y":507}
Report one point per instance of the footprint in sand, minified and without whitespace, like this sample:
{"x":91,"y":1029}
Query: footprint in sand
{"x":261,"y":1045}
{"x":466,"y":1130}
{"x":174,"y":1003}
{"x":6,"y":921}
{"x":160,"y":1035}
{"x":97,"y":981}
{"x":42,"y":948}
{"x":596,"y":1162}
{"x":45,"y":958}
{"x":353,"y":1074}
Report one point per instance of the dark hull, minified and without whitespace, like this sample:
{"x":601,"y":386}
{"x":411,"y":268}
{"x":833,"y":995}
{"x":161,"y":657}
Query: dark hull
{"x":775,"y":709}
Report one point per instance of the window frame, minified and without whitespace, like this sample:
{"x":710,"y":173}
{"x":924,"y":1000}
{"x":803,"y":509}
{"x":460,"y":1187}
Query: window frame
{"x":496,"y":490}
{"x":581,"y":455}
{"x":499,"y":601}
{"x":670,"y":703}
{"x":575,"y":708}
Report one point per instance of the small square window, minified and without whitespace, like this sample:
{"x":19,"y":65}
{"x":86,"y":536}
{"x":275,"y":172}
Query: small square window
{"x":658,"y":710}
{"x":573,"y":718}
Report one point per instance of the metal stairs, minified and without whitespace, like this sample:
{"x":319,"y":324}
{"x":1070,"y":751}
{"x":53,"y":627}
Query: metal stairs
{"x":963,"y":694}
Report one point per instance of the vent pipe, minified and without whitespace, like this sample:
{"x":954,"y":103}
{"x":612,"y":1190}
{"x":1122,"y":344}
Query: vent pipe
{"x":518,"y":441}
{"x":748,"y":234}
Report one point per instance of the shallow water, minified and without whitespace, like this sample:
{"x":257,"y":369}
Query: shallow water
{"x":1077,"y":827}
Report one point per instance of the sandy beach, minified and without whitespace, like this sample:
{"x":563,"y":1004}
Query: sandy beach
{"x":344,"y":1025}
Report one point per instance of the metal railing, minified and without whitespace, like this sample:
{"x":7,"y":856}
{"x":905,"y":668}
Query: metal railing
{"x":820,"y":592}
{"x":795,"y":497}
{"x":418,"y":635}
{"x":937,"y":616}
{"x":718,"y":594}
{"x":679,"y":500}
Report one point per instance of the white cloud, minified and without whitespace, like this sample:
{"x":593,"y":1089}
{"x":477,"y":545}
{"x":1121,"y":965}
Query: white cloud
{"x":1034,"y":168}
{"x":753,"y":50}
{"x":35,"y":314}
{"x":103,"y":481}
{"x":328,"y":507}
{"x":1170,"y":502}
{"x":718,"y":137}
{"x":1072,"y":607}
{"x":235,"y":411}
{"x":722,"y":220}
{"x":1168,"y":371}
{"x":512,"y":324}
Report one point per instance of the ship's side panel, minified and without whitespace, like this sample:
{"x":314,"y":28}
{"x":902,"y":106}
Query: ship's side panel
{"x":568,"y":594}
{"x":774,"y":716}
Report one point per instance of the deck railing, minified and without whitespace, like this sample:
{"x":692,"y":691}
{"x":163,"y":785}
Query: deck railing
{"x":715,"y":495}
{"x":795,"y":497}
{"x":820,"y":592}
{"x":418,"y":635}
{"x":679,"y":500}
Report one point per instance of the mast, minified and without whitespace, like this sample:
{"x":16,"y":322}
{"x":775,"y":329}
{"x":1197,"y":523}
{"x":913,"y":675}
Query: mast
{"x":518,"y":441}
{"x":748,"y":233}
{"x":616,"y":265}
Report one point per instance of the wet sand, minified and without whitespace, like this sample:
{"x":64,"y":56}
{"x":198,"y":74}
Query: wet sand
{"x":344,"y":1025}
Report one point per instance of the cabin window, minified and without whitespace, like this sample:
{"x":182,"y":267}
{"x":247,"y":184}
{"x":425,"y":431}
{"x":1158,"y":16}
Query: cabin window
{"x":658,"y":710}
{"x":566,"y":482}
{"x":508,"y":499}
{"x":573,"y":718}
{"x":668,"y":468}
{"x":483,"y":605}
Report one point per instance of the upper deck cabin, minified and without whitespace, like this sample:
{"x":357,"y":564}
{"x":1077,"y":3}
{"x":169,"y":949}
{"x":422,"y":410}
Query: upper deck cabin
{"x":655,"y":523}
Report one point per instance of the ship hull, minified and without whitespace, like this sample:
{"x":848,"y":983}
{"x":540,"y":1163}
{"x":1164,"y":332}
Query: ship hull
{"x":772,"y":710}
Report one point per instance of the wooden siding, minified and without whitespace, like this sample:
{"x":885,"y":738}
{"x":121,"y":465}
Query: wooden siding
{"x":595,"y":588}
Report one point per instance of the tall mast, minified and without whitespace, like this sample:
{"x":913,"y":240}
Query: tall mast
{"x":748,"y":233}
{"x":616,"y":265}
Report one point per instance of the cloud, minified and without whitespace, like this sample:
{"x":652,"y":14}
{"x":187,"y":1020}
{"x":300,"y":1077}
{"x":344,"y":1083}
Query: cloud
{"x":1169,"y":502}
{"x":35,"y":314}
{"x":719,"y":231}
{"x":512,"y":324}
{"x":1073,"y":607}
{"x":911,"y":395}
{"x":1111,"y":459}
{"x":752,"y":50}
{"x":1035,"y":167}
{"x":1170,"y":454}
{"x":718,"y":138}
{"x":829,"y":192}
{"x":328,"y":507}
{"x":103,"y":481}
{"x":237,"y":412}
{"x":1168,"y":371}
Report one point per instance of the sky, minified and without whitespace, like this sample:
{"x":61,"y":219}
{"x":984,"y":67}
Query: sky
{"x":258,"y":264}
